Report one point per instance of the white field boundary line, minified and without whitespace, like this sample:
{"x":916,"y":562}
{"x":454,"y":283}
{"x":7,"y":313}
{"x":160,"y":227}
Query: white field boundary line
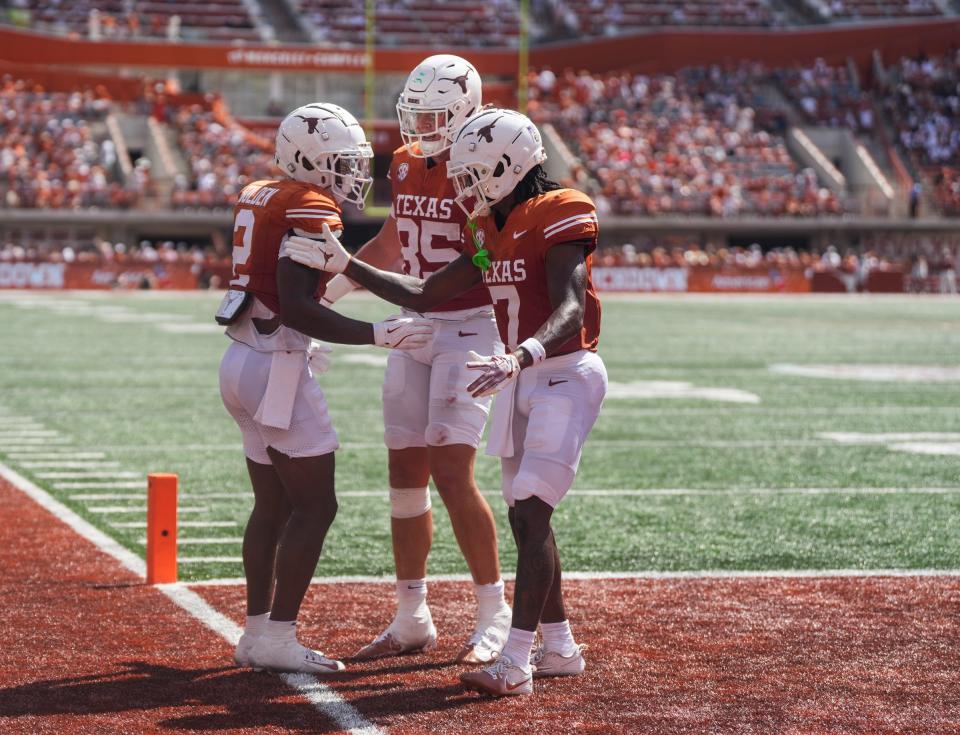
{"x":651,"y":575}
{"x":245,"y":495}
{"x":321,"y":696}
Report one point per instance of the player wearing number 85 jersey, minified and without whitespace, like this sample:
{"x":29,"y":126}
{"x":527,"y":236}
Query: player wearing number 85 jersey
{"x":432,"y":425}
{"x":266,"y":382}
{"x":531,"y":247}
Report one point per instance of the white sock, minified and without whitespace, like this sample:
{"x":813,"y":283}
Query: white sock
{"x":256,"y":624}
{"x":518,"y":647}
{"x":413,"y":615}
{"x":280,"y":631}
{"x":489,"y":601}
{"x":558,"y":638}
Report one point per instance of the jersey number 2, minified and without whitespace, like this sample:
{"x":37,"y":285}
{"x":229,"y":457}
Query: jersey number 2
{"x":242,"y":244}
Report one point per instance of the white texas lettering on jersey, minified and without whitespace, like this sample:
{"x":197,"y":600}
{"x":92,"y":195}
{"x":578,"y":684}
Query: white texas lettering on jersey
{"x":414,"y":205}
{"x":506,"y":271}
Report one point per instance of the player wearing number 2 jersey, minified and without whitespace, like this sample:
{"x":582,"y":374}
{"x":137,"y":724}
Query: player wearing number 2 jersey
{"x":432,"y":425}
{"x":266,"y":382}
{"x":531,"y":245}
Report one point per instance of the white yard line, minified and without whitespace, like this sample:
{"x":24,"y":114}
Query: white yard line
{"x":82,"y":464}
{"x":121,"y":485}
{"x":180,"y":524}
{"x":326,"y":700}
{"x":209,"y":560}
{"x":213,"y":541}
{"x":109,"y":509}
{"x":652,"y":575}
{"x":89,"y":475}
{"x":57,"y":455}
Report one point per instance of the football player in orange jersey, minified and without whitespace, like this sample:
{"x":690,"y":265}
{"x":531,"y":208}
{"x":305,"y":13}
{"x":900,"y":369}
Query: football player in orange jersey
{"x":531,"y":247}
{"x":266,"y":382}
{"x":432,"y":425}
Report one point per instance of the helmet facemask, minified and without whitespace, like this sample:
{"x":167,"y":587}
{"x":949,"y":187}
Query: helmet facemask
{"x":468,"y":182}
{"x":351,"y":175}
{"x":426,"y":130}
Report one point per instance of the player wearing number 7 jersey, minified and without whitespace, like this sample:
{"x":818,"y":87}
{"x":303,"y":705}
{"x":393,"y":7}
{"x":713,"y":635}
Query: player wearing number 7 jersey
{"x":532,"y":243}
{"x":266,"y":383}
{"x":432,"y":425}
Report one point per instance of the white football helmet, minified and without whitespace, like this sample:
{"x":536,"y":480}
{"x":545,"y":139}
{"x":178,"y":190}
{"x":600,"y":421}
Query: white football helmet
{"x":438,"y":97}
{"x":323,"y":144}
{"x":489,"y":157}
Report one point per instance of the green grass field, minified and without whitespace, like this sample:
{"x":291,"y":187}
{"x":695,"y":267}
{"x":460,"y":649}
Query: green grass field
{"x":666,"y":483}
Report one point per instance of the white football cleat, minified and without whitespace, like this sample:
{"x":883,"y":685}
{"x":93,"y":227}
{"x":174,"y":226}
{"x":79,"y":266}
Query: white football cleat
{"x":488,"y":639}
{"x":291,"y":656}
{"x":394,"y":643}
{"x":501,"y":679}
{"x":552,"y":663}
{"x":241,"y":655}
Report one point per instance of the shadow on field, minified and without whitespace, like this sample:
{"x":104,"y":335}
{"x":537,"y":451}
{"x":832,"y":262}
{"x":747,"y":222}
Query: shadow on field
{"x":214,"y":699}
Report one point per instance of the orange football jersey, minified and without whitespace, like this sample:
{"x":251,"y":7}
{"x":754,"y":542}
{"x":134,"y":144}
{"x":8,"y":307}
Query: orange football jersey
{"x":264,"y":215}
{"x":429,"y":222}
{"x":517,"y":277}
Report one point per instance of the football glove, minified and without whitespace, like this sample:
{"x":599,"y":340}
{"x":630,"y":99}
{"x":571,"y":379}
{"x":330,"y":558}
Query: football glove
{"x":326,"y":254}
{"x":496,"y":372}
{"x":403,"y":333}
{"x":318,"y":357}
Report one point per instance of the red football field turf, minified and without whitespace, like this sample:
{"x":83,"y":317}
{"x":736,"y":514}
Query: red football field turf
{"x":90,"y":649}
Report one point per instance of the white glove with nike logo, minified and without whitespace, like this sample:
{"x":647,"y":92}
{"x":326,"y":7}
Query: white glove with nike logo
{"x":496,"y":373}
{"x":324,"y":255}
{"x":403,"y":333}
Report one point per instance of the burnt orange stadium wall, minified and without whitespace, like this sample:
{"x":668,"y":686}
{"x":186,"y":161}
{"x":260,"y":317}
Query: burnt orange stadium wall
{"x":654,"y":51}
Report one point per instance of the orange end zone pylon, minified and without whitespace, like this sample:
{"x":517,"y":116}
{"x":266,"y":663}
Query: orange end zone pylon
{"x":161,"y":528}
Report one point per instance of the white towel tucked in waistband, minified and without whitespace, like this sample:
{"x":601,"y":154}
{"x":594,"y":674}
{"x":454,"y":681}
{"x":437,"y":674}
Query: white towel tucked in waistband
{"x":500,"y":439}
{"x":276,"y":407}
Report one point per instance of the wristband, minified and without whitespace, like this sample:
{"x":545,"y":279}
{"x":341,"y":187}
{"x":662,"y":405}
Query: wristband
{"x":337,"y":287}
{"x":536,"y":351}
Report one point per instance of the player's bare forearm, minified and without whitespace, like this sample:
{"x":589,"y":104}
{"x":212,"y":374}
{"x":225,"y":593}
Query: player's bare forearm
{"x":297,"y":286}
{"x":567,"y":285}
{"x":416,"y":293}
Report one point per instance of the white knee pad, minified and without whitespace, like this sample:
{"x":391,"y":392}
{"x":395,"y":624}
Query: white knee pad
{"x":409,"y":502}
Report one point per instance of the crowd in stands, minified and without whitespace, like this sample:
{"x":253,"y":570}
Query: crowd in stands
{"x":613,"y":17}
{"x":929,"y":263}
{"x":455,"y":23}
{"x":54,"y":152}
{"x":700,"y":142}
{"x":221,"y":20}
{"x":924,"y":100}
{"x":866,"y":10}
{"x":221,"y":155}
{"x":827,"y":95}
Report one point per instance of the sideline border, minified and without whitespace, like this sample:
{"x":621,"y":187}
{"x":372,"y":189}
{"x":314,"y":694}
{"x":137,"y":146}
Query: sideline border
{"x":325,"y":699}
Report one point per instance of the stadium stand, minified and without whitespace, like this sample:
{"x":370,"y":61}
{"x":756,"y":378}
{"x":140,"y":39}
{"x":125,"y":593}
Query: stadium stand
{"x":828,"y":95}
{"x":612,"y":17}
{"x":924,"y":102}
{"x":702,"y":142}
{"x":55,"y":151}
{"x":222,"y":156}
{"x":868,"y":10}
{"x":456,"y":23}
{"x":222,"y":20}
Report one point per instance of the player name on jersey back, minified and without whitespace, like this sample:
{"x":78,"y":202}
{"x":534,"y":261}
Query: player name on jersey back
{"x":257,"y":196}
